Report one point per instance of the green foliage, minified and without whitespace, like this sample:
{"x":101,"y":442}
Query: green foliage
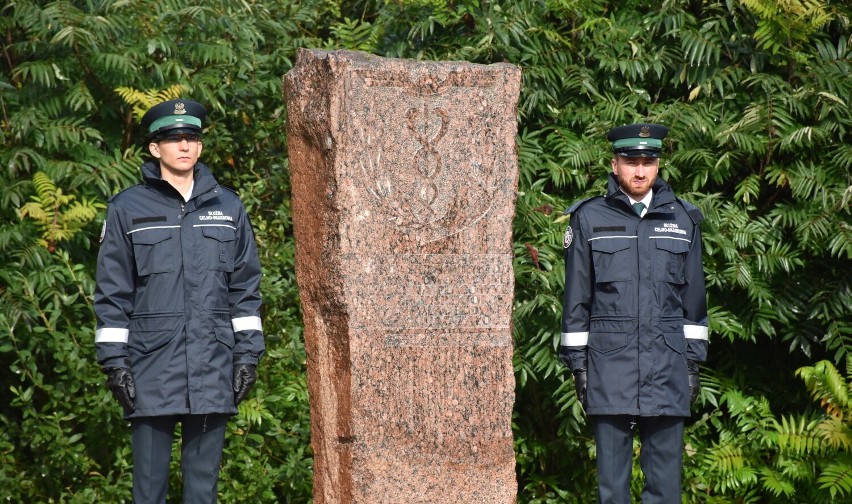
{"x":143,"y":100}
{"x":757,"y":97}
{"x":46,"y":208}
{"x":787,"y":25}
{"x":743,"y":448}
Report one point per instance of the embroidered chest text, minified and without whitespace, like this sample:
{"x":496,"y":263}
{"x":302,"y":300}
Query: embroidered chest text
{"x":215,"y":215}
{"x":670,"y":227}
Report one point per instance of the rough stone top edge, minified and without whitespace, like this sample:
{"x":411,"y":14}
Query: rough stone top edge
{"x":359,"y":58}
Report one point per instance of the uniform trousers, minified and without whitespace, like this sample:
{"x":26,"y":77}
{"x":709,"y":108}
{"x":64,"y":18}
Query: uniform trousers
{"x":202,"y":441}
{"x":660,"y":457}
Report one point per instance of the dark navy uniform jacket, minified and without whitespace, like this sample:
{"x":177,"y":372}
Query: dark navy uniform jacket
{"x":177,"y":297}
{"x":634,"y":308}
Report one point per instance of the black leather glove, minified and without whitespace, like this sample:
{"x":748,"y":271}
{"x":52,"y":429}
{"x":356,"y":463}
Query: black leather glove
{"x":244,"y":377}
{"x":694,"y":380}
{"x":580,"y":380}
{"x":120,"y":383}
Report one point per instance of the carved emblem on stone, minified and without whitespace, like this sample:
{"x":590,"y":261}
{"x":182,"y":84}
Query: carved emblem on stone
{"x":412,"y":191}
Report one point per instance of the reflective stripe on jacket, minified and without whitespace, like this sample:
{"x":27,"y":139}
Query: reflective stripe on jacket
{"x":177,"y":297}
{"x":634,"y":308}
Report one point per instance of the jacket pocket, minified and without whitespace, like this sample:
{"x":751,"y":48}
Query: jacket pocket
{"x":671,"y":254}
{"x":224,"y":335}
{"x":218,"y":248}
{"x":150,"y":334}
{"x":608,"y":335}
{"x":154,"y":251}
{"x":673,"y":334}
{"x":610,"y":257}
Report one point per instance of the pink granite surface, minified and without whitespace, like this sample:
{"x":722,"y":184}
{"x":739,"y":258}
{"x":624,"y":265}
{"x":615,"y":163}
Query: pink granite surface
{"x":404,"y":176}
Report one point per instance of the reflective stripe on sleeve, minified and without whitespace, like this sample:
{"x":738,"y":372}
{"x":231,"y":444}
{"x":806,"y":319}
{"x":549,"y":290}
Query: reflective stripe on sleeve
{"x":111,"y":335}
{"x":695,"y":332}
{"x":575,"y":339}
{"x":247,"y":324}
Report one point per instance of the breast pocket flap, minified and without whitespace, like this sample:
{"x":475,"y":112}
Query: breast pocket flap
{"x":220,"y":233}
{"x":610,"y":245}
{"x":150,"y":236}
{"x":672,"y":245}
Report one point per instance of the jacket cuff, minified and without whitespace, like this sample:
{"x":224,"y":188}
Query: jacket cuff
{"x":117,"y":362}
{"x":246,"y":358}
{"x":573,"y":357}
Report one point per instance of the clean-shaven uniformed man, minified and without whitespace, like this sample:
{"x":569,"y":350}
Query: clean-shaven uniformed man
{"x":634,"y":321}
{"x":178,"y":308}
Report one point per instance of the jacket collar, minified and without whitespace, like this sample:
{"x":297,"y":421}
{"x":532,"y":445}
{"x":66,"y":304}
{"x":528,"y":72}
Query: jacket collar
{"x":663,"y":193}
{"x":204,"y":180}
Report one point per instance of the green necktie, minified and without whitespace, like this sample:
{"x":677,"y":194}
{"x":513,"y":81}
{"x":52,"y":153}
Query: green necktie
{"x":638,"y":207}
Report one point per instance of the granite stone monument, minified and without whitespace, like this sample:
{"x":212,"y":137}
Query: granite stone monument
{"x":404,"y":179}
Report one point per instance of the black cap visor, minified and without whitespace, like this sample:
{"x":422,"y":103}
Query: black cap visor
{"x":174,"y":129}
{"x":636,"y":152}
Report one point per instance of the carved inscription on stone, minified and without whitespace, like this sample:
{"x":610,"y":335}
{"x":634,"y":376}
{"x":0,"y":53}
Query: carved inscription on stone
{"x":409,"y":293}
{"x":429,"y":405}
{"x":431,"y":321}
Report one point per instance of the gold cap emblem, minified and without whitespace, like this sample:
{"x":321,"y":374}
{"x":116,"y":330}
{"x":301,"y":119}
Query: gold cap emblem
{"x":180,"y":109}
{"x":645,"y":132}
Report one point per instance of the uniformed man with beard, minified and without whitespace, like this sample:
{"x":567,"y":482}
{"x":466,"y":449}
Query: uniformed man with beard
{"x":178,"y":309}
{"x":634,"y":322}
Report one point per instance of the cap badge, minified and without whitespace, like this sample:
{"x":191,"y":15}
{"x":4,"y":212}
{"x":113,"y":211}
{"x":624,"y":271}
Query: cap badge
{"x":180,"y":108}
{"x":645,"y":132}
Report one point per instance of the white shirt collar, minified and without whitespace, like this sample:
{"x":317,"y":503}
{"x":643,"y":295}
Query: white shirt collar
{"x":645,"y":201}
{"x":188,"y":193}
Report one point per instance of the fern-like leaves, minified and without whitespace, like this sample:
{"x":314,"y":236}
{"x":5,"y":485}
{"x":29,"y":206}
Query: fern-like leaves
{"x":141,"y":101}
{"x":60,"y":216}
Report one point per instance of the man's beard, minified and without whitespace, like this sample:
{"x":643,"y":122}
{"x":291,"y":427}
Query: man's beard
{"x":631,"y":190}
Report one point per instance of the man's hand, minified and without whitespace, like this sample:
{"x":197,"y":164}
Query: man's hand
{"x":694,"y":380}
{"x":580,"y":379}
{"x":120,"y":383}
{"x":244,"y":377}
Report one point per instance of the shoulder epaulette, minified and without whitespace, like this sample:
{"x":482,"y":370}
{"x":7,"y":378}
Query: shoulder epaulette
{"x":229,"y":189}
{"x":119,"y":193}
{"x":577,"y":204}
{"x":693,"y":211}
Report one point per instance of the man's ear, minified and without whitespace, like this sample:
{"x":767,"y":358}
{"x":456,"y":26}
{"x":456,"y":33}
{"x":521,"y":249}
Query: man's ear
{"x":614,"y":165}
{"x":154,"y":149}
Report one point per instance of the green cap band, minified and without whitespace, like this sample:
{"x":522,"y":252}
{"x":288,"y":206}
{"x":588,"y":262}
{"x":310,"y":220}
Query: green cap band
{"x":653,"y":143}
{"x":174,"y":119}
